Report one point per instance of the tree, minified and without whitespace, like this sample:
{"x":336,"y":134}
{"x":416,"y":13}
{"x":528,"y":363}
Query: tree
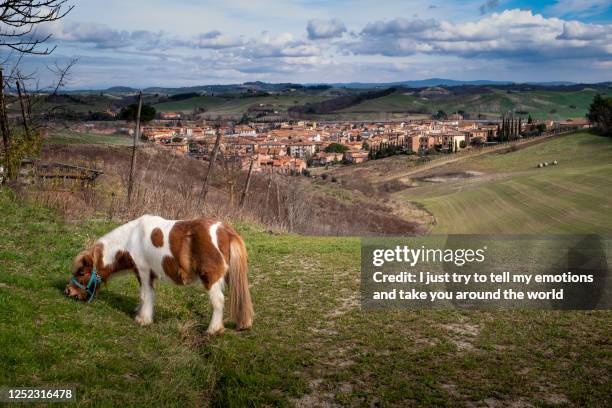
{"x":463,"y":144}
{"x":529,"y":119}
{"x":20,"y":19}
{"x":476,"y":141}
{"x":336,"y":148}
{"x":441,"y":115}
{"x":600,"y":115}
{"x":129,"y":112}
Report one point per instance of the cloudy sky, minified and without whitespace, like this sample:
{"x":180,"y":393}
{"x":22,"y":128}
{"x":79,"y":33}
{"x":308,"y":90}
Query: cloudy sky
{"x":142,"y":43}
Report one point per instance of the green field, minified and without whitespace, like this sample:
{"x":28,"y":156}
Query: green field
{"x":540,"y":104}
{"x":311,"y":344}
{"x":234,"y":106}
{"x":77,"y":103}
{"x":513,"y":196}
{"x":65,"y":136}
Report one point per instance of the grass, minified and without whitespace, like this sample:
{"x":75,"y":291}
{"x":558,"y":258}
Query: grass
{"x":514,"y":196}
{"x":540,"y":104}
{"x":75,"y":103}
{"x":226,"y":106}
{"x":70,"y":137}
{"x":310,"y":344}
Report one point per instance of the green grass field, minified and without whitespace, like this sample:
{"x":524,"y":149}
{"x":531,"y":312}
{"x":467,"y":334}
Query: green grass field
{"x":513,"y":196}
{"x":540,"y":104}
{"x":69,"y":137}
{"x":310,"y":345}
{"x":234,"y":106}
{"x":78,"y":103}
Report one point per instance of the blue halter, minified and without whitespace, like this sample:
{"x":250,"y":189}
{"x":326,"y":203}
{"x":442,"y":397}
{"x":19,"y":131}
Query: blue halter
{"x":94,"y":281}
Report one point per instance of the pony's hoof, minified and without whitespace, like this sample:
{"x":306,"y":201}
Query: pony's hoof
{"x":143,"y":321}
{"x":245,"y":325}
{"x":215,"y":331}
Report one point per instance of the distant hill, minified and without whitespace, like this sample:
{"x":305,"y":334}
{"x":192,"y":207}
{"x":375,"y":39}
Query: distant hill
{"x":259,"y":86}
{"x":421,"y":83}
{"x":121,"y":89}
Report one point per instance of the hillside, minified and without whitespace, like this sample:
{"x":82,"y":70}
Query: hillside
{"x":310,"y":345}
{"x":219,"y":105}
{"x":506,"y":193}
{"x":489,"y":102}
{"x":169,"y":184}
{"x":484,"y":100}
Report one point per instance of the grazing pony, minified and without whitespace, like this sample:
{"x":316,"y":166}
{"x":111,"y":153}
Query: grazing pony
{"x":179,"y":251}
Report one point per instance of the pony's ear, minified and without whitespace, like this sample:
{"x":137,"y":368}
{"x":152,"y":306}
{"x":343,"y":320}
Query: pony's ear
{"x":97,"y":254}
{"x":83,"y":259}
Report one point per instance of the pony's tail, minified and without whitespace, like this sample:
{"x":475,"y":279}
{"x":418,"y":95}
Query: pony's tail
{"x":241,"y":307}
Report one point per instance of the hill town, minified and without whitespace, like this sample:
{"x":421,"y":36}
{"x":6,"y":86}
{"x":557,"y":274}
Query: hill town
{"x":294,"y":147}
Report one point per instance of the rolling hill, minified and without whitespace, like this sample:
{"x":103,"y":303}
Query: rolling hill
{"x":226,"y":105}
{"x":507,"y":194}
{"x":489,"y":102}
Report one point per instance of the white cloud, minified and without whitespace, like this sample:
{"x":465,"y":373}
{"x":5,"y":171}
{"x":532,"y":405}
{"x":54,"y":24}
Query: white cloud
{"x":324,"y":29}
{"x":517,"y":34}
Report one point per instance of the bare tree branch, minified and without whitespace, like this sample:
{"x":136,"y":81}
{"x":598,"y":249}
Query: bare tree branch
{"x":19,"y":19}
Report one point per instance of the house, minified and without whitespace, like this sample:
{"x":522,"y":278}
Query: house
{"x":426,"y":143}
{"x":301,"y":150}
{"x":579,"y":122}
{"x":451,"y":140}
{"x":323,"y":158}
{"x":413,"y":142}
{"x":170,"y":115}
{"x":356,"y":157}
{"x":282,"y":165}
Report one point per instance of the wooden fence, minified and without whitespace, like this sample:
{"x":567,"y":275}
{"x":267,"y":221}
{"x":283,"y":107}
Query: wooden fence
{"x":58,"y":174}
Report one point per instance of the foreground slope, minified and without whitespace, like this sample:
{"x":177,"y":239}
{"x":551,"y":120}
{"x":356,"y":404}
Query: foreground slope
{"x":506,"y":193}
{"x":310,"y":344}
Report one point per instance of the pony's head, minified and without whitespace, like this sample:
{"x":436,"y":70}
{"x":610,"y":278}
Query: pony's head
{"x":85,"y":281}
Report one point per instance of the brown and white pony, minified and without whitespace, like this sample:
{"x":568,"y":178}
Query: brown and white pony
{"x":183,"y":252}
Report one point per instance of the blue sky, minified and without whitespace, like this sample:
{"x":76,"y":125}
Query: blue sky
{"x":188,"y":42}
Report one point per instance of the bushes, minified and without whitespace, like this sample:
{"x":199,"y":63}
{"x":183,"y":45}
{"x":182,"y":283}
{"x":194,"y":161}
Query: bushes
{"x":336,"y":148}
{"x":388,"y":150}
{"x":22,"y":145}
{"x":600,"y":115}
{"x":147,"y":113}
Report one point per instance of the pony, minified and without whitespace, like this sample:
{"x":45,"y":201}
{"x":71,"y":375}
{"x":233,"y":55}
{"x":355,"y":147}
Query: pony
{"x":180,"y":251}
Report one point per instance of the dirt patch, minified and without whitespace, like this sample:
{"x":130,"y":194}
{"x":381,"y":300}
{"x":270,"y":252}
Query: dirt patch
{"x":451,"y":177}
{"x":497,"y":403}
{"x":317,"y":398}
{"x":463,"y":335}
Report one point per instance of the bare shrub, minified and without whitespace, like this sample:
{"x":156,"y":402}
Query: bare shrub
{"x":168,"y":183}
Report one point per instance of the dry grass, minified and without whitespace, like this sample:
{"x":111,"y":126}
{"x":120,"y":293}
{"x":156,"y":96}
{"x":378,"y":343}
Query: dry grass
{"x":168,"y":184}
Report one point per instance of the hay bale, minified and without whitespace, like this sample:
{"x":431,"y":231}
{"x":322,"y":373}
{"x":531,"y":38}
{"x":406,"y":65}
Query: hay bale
{"x":555,"y":162}
{"x":540,"y":165}
{"x":545,"y":164}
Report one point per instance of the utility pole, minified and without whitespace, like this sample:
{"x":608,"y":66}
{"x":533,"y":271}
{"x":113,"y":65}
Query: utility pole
{"x":6,"y":133}
{"x":208,"y":177}
{"x":246,"y":185}
{"x":134,"y":145}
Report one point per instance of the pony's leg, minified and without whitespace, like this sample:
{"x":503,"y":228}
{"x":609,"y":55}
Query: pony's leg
{"x":144,"y":314}
{"x":215,"y":294}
